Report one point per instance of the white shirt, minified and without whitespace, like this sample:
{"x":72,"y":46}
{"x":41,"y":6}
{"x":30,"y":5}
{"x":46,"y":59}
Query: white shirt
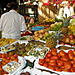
{"x":66,"y":11}
{"x":11,"y":24}
{"x":69,"y":11}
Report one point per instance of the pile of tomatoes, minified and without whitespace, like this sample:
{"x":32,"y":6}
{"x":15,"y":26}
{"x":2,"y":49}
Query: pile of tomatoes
{"x":6,"y":58}
{"x":59,"y":61}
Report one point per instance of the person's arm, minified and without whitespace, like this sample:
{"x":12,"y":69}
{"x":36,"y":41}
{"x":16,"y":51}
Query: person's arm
{"x":1,"y":22}
{"x":31,"y":20}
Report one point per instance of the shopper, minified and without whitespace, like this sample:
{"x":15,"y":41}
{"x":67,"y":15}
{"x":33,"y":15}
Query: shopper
{"x":12,"y":23}
{"x":28,"y":19}
{"x":68,"y":10}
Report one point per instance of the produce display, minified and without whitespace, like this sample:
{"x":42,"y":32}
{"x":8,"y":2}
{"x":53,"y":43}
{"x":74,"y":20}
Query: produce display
{"x":53,"y":46}
{"x":27,"y":38}
{"x":21,"y":49}
{"x":6,"y":58}
{"x":49,"y":21}
{"x":69,"y":39}
{"x":43,"y":34}
{"x":59,"y":60}
{"x":56,"y":26}
{"x":37,"y":49}
{"x":5,"y":41}
{"x":51,"y":42}
{"x":11,"y":67}
{"x":7,"y":48}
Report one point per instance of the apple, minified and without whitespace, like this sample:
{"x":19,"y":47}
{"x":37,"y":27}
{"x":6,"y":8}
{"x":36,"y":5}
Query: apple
{"x":15,"y":55}
{"x":71,"y":36}
{"x":8,"y":58}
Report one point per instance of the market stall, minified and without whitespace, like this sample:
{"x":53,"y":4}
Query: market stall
{"x":46,"y":48}
{"x":49,"y":50}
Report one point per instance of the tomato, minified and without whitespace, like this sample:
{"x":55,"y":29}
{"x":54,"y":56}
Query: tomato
{"x":41,"y":61}
{"x":72,"y":62}
{"x":8,"y":58}
{"x":71,"y":56}
{"x":74,"y":59}
{"x":51,"y":60}
{"x":54,"y":51}
{"x":70,"y":52}
{"x":55,"y":57}
{"x":74,"y":65}
{"x":48,"y":55}
{"x":49,"y":51}
{"x":60,"y":63}
{"x":58,"y":69}
{"x":74,"y":52}
{"x":73,"y":69}
{"x":51,"y":67}
{"x":47,"y":60}
{"x":45,"y":64}
{"x":64,"y":59}
{"x":62,"y":53}
{"x":66,"y":70}
{"x":0,"y":55}
{"x":67,"y":65}
{"x":3,"y":55}
{"x":52,"y":63}
{"x":62,"y":67}
{"x":15,"y":55}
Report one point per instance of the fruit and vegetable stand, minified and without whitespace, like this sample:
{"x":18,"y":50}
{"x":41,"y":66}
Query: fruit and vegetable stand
{"x":49,"y":51}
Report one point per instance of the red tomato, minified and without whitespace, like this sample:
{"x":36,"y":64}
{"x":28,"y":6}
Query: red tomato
{"x":51,"y":67}
{"x":74,"y":52}
{"x":67,"y":65}
{"x":64,"y":59}
{"x":74,"y":65}
{"x":49,"y":51}
{"x":51,"y":60}
{"x":52,"y":63}
{"x":15,"y":55}
{"x":70,"y":52}
{"x":55,"y":57}
{"x":45,"y":65}
{"x":66,"y":70}
{"x":48,"y":55}
{"x":62,"y":67}
{"x":60,"y":63}
{"x":58,"y":69}
{"x":73,"y":69}
{"x":72,"y":62}
{"x":54,"y":51}
{"x":41,"y":61}
{"x":71,"y":56}
{"x":74,"y":59}
{"x":62,"y":53}
{"x":47,"y":60}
